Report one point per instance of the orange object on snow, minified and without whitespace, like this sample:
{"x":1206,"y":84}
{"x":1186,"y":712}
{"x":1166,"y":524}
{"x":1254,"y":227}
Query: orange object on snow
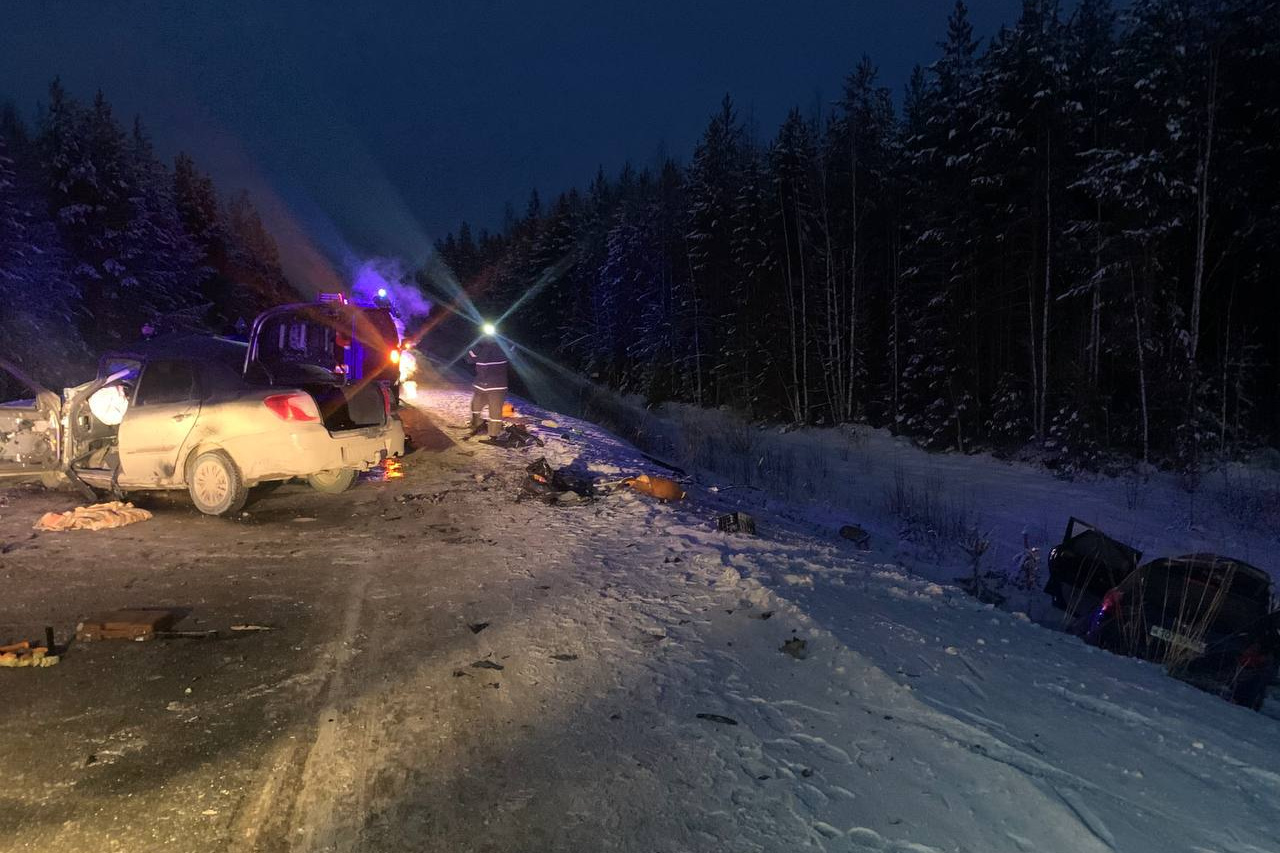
{"x":508,"y":410}
{"x":93,"y":517}
{"x":662,"y":488}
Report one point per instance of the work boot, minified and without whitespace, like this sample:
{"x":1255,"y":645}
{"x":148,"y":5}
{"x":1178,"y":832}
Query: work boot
{"x":476,"y":421}
{"x":495,"y":428}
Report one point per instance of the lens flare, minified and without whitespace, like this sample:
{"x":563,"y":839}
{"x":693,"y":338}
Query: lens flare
{"x":408,"y":365}
{"x":489,"y":329}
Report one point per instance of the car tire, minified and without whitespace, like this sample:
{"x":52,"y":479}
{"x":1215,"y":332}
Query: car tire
{"x":53,"y":480}
{"x":215,"y":484}
{"x":333,"y":481}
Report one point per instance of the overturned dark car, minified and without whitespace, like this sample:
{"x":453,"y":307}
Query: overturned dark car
{"x":1207,"y":619}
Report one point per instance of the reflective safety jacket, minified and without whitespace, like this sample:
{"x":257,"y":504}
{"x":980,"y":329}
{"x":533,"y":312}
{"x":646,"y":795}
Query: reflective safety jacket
{"x":491,"y":365}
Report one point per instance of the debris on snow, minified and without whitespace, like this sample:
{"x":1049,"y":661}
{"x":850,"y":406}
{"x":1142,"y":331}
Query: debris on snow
{"x":24,"y":654}
{"x":718,"y":718}
{"x":857,"y":536}
{"x":662,"y":488}
{"x":736,"y":522}
{"x":100,"y":516}
{"x":139,"y":624}
{"x":796,"y":647}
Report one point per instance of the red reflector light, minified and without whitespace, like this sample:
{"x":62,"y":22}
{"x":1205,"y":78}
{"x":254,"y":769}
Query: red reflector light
{"x":1111,"y":601}
{"x":289,"y":407}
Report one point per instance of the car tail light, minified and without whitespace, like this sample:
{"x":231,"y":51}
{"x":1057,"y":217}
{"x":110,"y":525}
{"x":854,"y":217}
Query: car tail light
{"x":386,"y":400}
{"x":394,"y":356}
{"x":1112,"y":600}
{"x":1254,"y":657}
{"x":292,"y":407}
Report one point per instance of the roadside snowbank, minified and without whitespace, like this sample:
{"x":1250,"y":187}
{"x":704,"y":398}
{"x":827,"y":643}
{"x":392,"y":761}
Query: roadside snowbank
{"x":915,"y":718}
{"x":915,"y":502}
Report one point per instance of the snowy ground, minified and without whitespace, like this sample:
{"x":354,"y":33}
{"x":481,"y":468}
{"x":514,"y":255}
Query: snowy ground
{"x":629,"y":691}
{"x":832,"y":477}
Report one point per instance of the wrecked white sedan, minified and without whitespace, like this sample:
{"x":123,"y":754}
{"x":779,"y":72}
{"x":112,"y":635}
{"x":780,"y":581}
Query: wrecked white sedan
{"x":209,"y":415}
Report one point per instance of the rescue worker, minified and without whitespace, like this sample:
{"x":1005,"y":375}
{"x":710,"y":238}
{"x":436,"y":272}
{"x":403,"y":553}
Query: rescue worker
{"x":490,"y":383}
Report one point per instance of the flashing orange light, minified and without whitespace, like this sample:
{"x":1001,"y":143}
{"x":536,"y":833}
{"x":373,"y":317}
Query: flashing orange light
{"x":395,"y":356}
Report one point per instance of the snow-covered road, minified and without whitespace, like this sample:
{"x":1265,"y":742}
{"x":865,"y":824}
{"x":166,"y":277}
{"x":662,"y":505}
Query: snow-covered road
{"x":511,"y":676}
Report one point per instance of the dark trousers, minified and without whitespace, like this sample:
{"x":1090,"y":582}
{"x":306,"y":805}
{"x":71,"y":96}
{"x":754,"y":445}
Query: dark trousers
{"x":493,"y":400}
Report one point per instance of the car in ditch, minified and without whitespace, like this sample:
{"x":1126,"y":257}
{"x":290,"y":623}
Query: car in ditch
{"x":1085,"y":565}
{"x":208,"y":415}
{"x":1209,"y":620}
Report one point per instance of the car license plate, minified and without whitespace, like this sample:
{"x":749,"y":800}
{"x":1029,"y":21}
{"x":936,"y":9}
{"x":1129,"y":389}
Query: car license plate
{"x":1182,"y":640}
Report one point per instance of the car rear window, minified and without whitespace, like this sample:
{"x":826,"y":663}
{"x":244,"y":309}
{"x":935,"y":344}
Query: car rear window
{"x":166,"y":382}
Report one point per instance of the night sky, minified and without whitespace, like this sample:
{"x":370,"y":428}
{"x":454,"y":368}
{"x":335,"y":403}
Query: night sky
{"x":375,"y":127}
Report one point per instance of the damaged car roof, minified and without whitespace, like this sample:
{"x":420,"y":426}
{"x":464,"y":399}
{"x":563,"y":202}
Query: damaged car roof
{"x":200,"y":347}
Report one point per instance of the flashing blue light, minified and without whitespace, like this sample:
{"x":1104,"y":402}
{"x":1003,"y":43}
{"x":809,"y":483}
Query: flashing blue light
{"x":382,"y":293}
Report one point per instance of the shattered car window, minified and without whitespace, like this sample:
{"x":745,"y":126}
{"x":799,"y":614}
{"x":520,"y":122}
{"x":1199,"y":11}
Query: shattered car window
{"x":167,"y":382}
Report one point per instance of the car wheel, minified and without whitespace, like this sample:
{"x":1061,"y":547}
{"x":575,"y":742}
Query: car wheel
{"x":215,"y":484}
{"x":333,"y":481}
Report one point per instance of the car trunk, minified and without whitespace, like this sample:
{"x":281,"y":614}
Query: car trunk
{"x":1182,"y":608}
{"x":298,"y":347}
{"x":345,"y":407}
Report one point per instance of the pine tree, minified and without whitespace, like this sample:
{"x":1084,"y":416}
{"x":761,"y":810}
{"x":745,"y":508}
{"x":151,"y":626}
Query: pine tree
{"x":161,"y":259}
{"x":198,"y":208}
{"x":38,"y":324}
{"x":711,"y":296}
{"x":939,"y":276}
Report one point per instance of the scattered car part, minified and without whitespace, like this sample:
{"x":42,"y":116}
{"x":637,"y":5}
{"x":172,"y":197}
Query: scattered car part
{"x":856,"y":535}
{"x":796,"y":647}
{"x":662,"y":488}
{"x":736,"y":522}
{"x":139,"y":624}
{"x":24,"y":654}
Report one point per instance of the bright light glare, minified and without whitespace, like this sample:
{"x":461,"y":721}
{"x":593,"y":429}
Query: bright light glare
{"x":489,"y":329}
{"x":408,"y":365}
{"x":408,"y":390}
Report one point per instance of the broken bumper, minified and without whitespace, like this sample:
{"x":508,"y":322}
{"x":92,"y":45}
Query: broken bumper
{"x":302,"y":453}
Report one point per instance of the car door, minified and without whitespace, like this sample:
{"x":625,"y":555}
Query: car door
{"x":30,"y":427}
{"x":165,"y":407}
